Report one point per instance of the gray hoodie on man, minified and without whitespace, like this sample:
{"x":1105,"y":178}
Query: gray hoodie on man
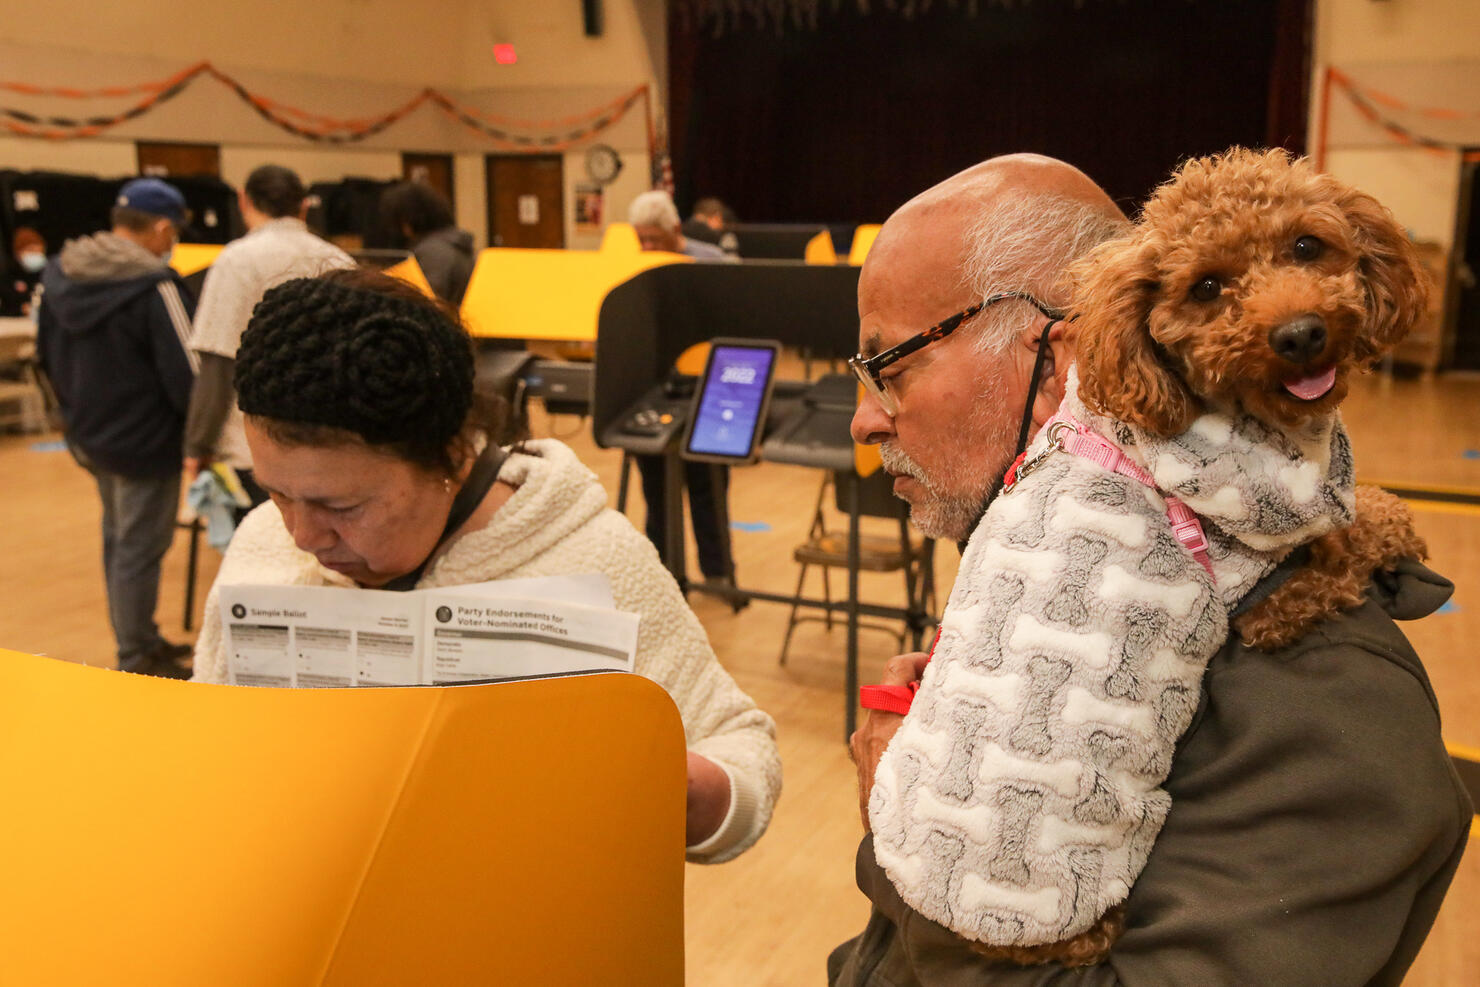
{"x":112,"y":335}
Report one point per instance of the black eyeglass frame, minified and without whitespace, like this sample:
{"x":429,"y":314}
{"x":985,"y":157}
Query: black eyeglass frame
{"x":867,"y":369}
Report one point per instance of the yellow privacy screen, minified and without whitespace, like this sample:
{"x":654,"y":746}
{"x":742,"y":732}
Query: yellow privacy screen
{"x":187,"y":258}
{"x":410,"y":271}
{"x":549,"y":294}
{"x":168,"y":833}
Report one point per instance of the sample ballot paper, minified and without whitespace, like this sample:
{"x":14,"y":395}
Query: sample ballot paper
{"x":326,"y":637}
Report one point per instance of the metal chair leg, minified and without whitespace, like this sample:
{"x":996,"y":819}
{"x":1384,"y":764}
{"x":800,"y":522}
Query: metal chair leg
{"x":188,"y":621}
{"x":622,"y":483}
{"x":791,"y":622}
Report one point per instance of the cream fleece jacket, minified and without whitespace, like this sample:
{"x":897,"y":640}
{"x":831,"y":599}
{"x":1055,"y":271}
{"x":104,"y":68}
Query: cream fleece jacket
{"x":557,"y":523}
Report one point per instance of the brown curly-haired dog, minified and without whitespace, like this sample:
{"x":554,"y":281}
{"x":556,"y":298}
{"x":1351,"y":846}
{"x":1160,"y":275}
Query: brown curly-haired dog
{"x":1251,"y":283}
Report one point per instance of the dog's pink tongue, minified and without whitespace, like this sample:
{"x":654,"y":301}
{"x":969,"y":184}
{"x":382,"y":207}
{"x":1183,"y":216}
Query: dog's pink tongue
{"x":1310,"y":388}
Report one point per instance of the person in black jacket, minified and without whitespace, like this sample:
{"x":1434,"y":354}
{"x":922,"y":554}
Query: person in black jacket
{"x":113,"y":335}
{"x":420,"y":217}
{"x":1316,"y":819}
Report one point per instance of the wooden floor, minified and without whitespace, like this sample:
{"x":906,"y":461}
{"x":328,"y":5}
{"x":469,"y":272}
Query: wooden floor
{"x":771,"y":916}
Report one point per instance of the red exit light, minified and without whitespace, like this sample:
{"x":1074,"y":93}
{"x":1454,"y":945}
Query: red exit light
{"x":504,"y":54}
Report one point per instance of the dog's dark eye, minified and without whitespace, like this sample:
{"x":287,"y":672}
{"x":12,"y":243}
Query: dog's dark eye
{"x":1308,"y":248}
{"x":1207,"y":289}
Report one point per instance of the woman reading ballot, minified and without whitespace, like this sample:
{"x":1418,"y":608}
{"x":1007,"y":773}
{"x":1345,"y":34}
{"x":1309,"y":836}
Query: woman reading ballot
{"x":385,"y":471}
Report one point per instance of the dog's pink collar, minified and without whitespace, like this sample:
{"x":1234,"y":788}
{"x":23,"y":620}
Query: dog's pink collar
{"x":1067,"y":434}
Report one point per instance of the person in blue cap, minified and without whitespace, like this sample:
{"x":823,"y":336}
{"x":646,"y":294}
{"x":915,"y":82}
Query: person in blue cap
{"x":113,"y":336}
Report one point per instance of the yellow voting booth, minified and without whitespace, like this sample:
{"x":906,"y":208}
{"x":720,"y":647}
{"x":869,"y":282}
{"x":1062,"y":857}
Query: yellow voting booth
{"x":410,"y":271}
{"x":167,"y":833}
{"x":551,"y":294}
{"x":863,"y":239}
{"x":820,"y":249}
{"x":187,"y":258}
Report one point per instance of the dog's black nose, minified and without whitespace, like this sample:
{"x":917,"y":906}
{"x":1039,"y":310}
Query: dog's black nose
{"x":1300,"y":340}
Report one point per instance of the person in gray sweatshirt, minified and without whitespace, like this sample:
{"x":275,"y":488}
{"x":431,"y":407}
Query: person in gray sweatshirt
{"x":418,"y":215}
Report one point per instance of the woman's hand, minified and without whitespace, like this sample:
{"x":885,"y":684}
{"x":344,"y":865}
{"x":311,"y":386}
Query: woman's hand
{"x":708,"y":801}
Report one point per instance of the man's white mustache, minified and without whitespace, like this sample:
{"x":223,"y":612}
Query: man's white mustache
{"x":896,"y":462}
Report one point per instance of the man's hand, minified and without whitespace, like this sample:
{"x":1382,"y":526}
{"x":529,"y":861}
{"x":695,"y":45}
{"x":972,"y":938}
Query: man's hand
{"x":193,"y":466}
{"x":868,"y":741}
{"x":708,"y":799}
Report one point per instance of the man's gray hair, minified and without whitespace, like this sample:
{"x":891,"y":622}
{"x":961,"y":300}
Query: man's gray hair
{"x":1026,"y":244}
{"x":654,"y":208}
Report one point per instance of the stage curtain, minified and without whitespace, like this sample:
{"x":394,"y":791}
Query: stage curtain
{"x":844,"y":121}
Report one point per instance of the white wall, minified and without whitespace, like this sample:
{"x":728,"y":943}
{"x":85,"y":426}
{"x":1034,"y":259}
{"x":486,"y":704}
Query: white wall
{"x":1396,"y":30}
{"x":311,"y":164}
{"x":1421,"y":188}
{"x":553,"y":49}
{"x":375,"y":40}
{"x":94,"y":157}
{"x":343,"y":58}
{"x":472,"y":195}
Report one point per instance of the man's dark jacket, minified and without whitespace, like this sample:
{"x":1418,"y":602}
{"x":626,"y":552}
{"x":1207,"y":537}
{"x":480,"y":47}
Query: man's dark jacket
{"x":446,"y":257}
{"x":113,"y":336}
{"x":1316,"y":823}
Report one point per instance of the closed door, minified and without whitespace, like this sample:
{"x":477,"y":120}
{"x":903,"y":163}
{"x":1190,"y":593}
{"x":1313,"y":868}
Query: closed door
{"x":434,"y":170}
{"x":163,"y":159}
{"x":1466,"y":299}
{"x":526,"y":200}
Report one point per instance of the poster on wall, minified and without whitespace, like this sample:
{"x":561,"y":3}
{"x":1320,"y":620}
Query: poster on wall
{"x":590,"y":207}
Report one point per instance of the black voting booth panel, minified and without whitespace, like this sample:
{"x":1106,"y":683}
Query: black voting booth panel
{"x":62,"y":206}
{"x":57,"y":205}
{"x":351,"y":207}
{"x":215,"y":216}
{"x":647,"y":322}
{"x":776,"y":241}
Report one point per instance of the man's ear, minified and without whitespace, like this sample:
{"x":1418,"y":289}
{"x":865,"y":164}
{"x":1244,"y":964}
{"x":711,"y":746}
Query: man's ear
{"x":1053,"y":374}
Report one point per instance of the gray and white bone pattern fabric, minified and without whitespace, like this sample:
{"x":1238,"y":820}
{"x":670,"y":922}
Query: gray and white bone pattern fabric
{"x":1022,"y":794}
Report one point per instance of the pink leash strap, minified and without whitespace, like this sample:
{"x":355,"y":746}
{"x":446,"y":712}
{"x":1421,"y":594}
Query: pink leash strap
{"x":1079,"y":439}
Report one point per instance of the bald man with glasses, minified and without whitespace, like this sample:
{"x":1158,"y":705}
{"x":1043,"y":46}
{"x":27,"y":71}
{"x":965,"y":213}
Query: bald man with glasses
{"x":959,"y":307}
{"x":1272,"y":867}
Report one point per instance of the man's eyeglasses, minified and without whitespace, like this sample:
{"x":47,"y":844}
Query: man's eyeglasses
{"x":867,"y":370}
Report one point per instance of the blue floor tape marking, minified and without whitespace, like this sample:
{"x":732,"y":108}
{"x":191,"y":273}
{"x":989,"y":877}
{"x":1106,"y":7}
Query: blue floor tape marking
{"x":1449,"y":607}
{"x":751,"y":526}
{"x":54,"y":446}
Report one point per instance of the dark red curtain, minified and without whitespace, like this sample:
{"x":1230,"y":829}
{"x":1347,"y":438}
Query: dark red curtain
{"x":843,"y":122}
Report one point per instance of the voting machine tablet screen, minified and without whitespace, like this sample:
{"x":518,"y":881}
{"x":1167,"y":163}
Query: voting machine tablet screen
{"x":730,"y":406}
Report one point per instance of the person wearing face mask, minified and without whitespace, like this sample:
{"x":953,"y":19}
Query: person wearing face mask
{"x":19,"y":284}
{"x":113,"y":336}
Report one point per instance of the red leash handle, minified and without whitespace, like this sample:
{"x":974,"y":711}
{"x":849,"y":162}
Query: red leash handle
{"x":889,"y":698}
{"x":893,"y":698}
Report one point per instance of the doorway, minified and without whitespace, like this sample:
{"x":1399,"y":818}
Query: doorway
{"x":167,"y":159}
{"x":433,"y":170}
{"x":526,"y":200}
{"x":1466,"y":274}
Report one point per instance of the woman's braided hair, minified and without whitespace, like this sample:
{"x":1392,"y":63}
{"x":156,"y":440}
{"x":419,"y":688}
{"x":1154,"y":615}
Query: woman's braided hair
{"x":357,"y":353}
